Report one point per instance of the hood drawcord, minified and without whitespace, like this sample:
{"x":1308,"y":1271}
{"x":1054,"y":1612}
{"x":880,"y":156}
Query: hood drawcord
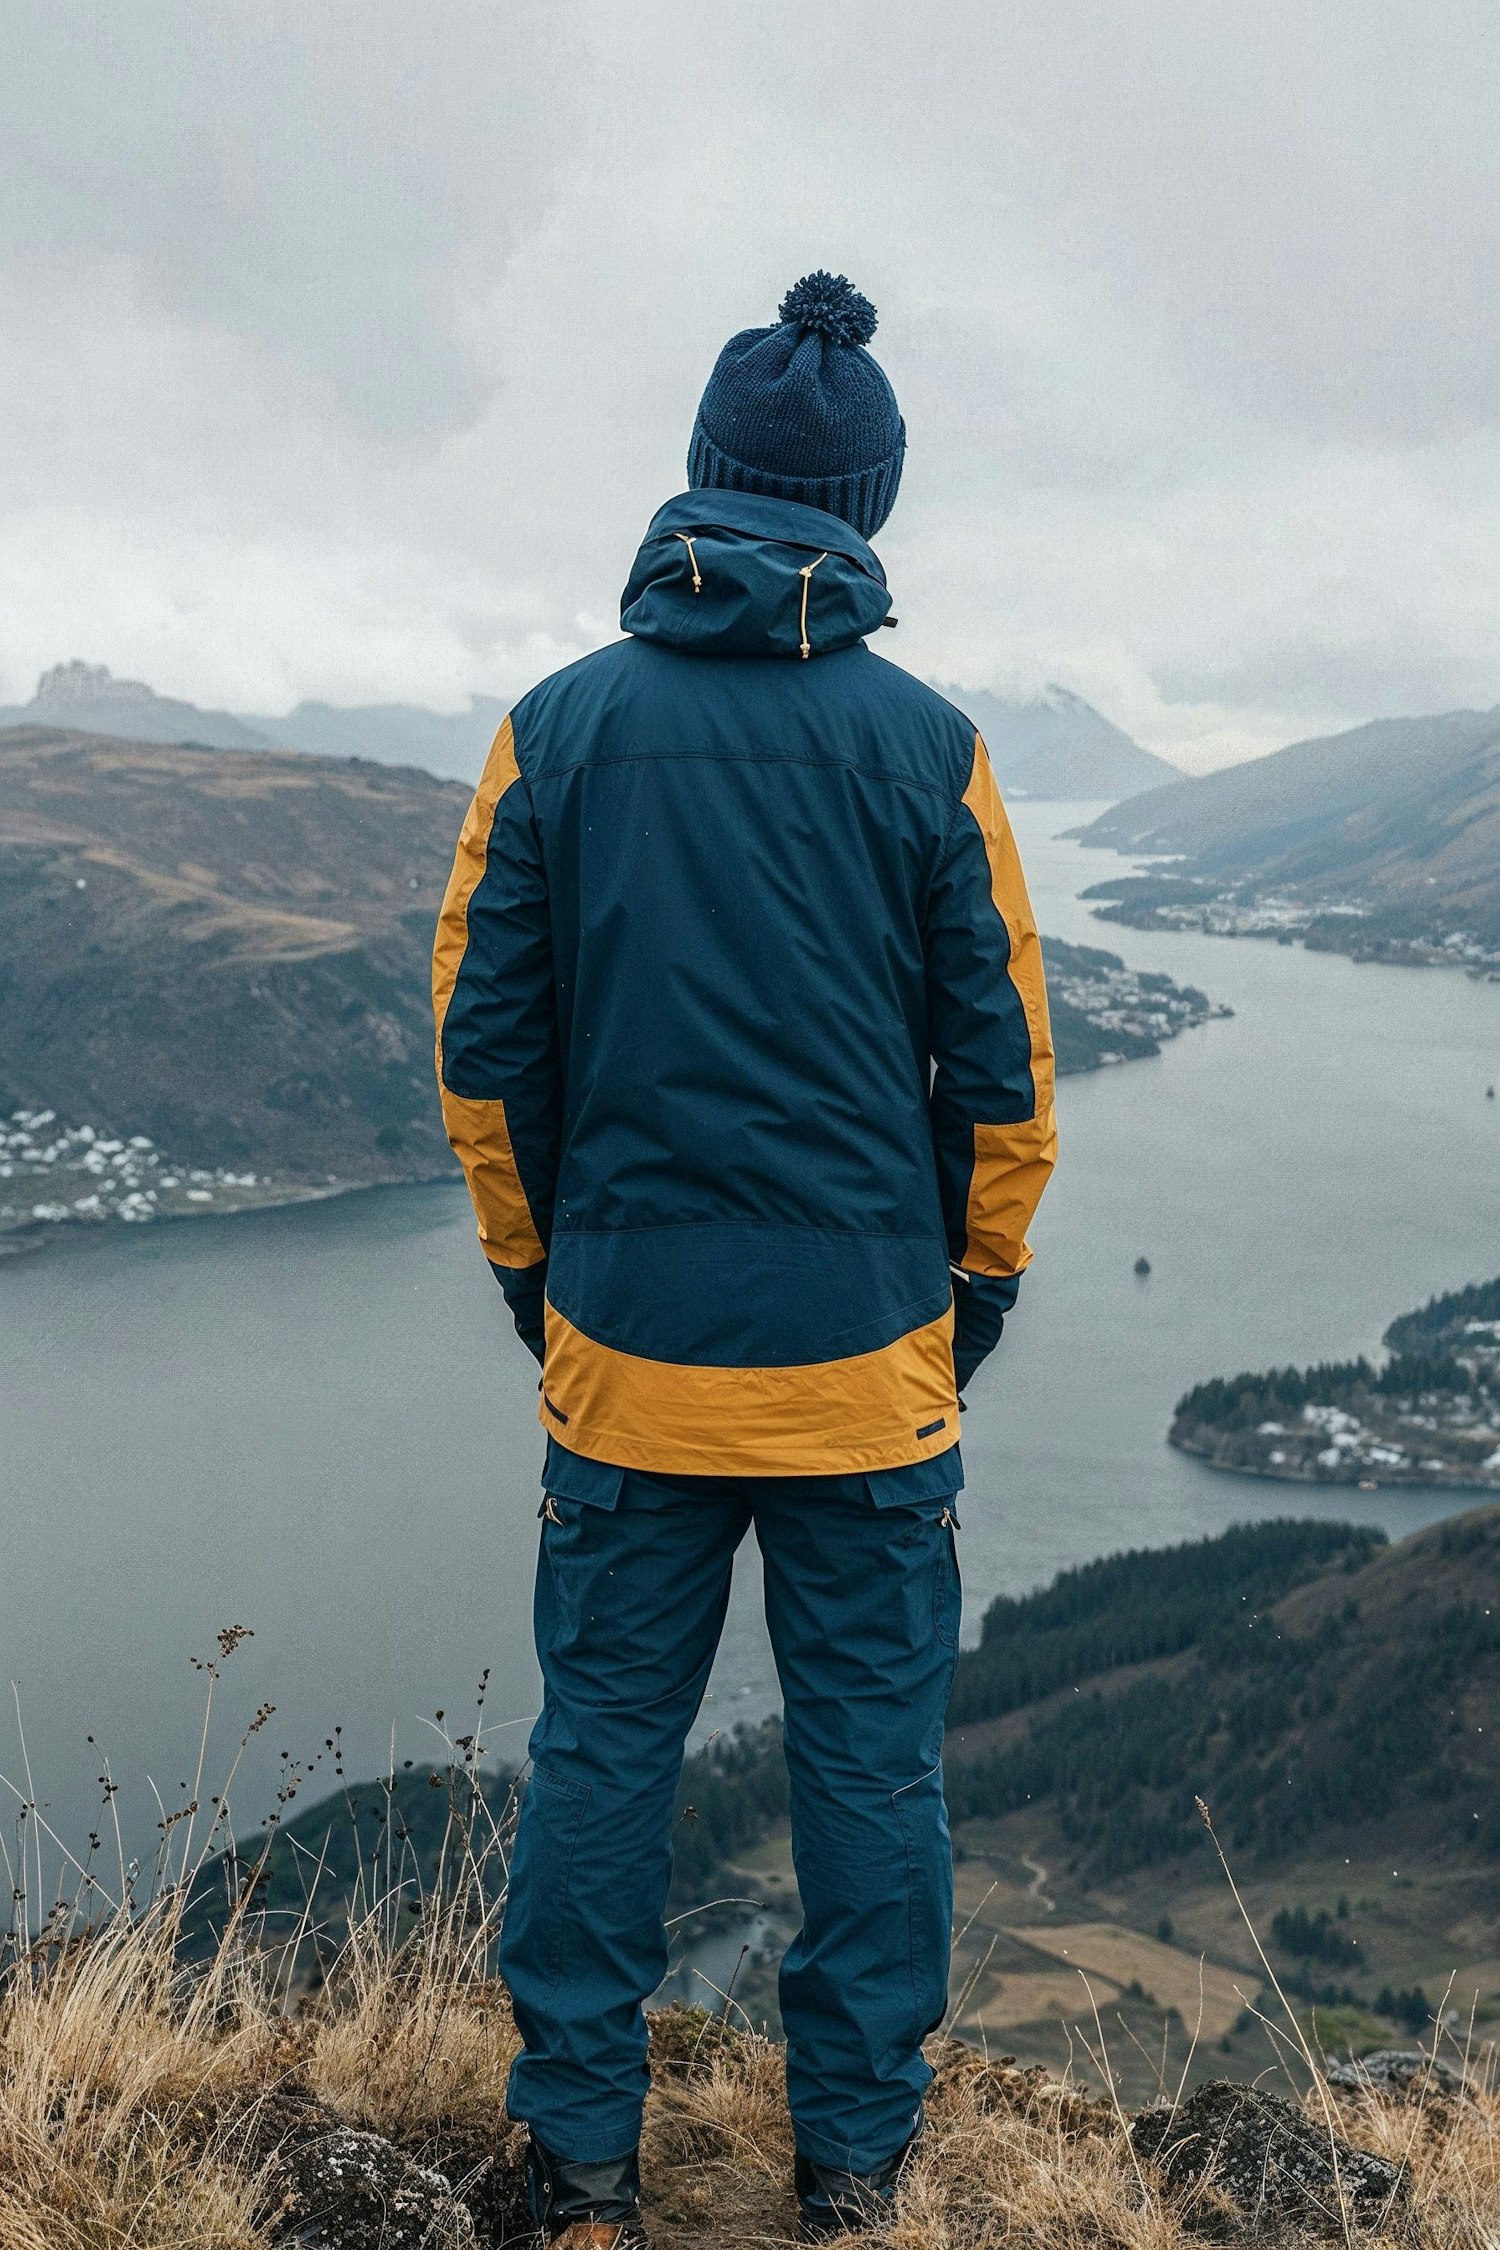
{"x":805,"y":574}
{"x":693,"y":559}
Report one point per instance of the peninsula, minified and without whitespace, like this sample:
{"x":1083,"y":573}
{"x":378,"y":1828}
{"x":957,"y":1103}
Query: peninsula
{"x":1430,"y":1415}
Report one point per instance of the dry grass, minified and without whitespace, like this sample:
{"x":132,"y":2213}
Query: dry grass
{"x":140,"y":2097}
{"x":1451,"y":2147}
{"x":1015,"y":2160}
{"x":125,"y":2086}
{"x":106,"y":2060}
{"x":412,"y":2037}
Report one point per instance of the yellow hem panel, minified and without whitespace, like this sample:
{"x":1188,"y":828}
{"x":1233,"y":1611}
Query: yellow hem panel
{"x":1012,"y":1163}
{"x":825,"y":1419}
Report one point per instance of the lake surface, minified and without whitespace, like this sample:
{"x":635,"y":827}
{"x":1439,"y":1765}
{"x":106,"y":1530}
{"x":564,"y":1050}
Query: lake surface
{"x":316,"y":1423}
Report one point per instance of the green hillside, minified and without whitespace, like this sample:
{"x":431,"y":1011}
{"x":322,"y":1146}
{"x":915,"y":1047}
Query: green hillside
{"x":1313,"y":1684}
{"x":1306,"y":1678}
{"x":1355,"y":1701}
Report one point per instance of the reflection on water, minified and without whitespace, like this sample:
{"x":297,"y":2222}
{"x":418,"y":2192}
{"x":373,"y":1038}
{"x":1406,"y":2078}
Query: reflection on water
{"x":712,"y":1970}
{"x":314,"y":1422}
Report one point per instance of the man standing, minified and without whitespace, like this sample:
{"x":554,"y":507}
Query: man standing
{"x":743,"y":1044}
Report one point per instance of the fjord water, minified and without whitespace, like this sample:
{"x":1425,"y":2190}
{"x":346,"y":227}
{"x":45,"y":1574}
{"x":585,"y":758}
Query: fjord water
{"x":315,"y":1423}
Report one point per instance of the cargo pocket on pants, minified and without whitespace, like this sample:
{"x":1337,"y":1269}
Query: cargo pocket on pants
{"x":922,"y":1817}
{"x":544,"y":1883}
{"x":948,"y":1595}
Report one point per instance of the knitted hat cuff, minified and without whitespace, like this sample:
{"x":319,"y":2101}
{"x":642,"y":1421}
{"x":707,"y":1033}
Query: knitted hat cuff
{"x":863,"y":499}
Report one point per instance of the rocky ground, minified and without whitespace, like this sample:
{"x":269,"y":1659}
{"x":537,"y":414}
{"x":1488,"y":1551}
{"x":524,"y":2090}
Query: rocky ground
{"x":297,"y":2132}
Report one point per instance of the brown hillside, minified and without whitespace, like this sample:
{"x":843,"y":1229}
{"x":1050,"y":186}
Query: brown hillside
{"x":225,"y":950}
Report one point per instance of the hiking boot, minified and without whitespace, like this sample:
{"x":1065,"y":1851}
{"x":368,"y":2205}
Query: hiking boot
{"x":585,"y":2206}
{"x":830,"y":2202}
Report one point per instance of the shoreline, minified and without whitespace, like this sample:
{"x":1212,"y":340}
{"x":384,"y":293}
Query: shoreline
{"x":1201,"y":1453}
{"x":33,"y":1237}
{"x":1160,"y":897}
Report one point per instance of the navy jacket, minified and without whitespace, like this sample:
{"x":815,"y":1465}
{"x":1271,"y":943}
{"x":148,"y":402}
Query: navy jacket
{"x":742,"y":1029}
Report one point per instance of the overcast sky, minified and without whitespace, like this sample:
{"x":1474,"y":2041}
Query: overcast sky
{"x":349,"y":344}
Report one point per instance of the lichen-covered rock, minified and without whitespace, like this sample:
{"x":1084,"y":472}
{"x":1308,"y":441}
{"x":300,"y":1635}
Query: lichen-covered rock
{"x":685,"y":2039}
{"x":1269,"y":2159}
{"x":330,"y":2186}
{"x":990,"y":2086}
{"x":1397,"y":2072}
{"x":485,"y":2160}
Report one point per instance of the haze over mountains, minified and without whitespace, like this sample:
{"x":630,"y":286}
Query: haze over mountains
{"x":1056,"y":745}
{"x":1053,"y":745}
{"x":1400,"y":817}
{"x":89,"y":697}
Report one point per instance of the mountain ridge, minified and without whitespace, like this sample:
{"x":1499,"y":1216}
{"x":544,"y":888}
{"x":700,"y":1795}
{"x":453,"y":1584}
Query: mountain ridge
{"x":1052,"y":745}
{"x":1393,"y":827}
{"x":1056,"y":745}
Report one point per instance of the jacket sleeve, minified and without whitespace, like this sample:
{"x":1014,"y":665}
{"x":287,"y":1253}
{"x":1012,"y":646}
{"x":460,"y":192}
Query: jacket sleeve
{"x":994,"y":1131}
{"x":498,"y":1058}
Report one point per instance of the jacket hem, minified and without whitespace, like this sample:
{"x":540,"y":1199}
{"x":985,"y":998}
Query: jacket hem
{"x":882,"y":1409}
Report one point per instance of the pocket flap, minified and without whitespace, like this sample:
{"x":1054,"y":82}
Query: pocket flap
{"x":571,"y":1476}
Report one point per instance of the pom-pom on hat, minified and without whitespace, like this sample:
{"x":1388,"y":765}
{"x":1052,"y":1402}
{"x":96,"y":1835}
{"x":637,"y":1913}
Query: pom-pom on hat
{"x":803,"y":412}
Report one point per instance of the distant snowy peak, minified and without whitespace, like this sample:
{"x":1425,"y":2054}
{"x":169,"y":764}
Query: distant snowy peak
{"x":1056,"y":745}
{"x":89,"y":698}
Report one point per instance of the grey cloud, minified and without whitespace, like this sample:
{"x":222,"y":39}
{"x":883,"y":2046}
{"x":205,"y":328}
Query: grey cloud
{"x":325,"y":182}
{"x":348,"y":348}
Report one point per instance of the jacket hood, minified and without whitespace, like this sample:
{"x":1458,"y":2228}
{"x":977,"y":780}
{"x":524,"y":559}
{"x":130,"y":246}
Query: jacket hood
{"x":723,"y":573}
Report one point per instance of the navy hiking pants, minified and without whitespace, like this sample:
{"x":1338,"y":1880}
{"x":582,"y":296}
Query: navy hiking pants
{"x":863,"y":1609}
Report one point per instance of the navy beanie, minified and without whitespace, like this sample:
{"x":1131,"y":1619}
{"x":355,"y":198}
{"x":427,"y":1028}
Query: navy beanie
{"x":802,"y":412}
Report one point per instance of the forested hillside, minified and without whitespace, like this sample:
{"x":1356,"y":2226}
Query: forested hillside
{"x":1307,"y":1680}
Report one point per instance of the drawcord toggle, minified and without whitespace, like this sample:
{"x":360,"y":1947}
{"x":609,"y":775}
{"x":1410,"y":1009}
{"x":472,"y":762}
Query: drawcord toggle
{"x":805,"y":574}
{"x":693,"y":559}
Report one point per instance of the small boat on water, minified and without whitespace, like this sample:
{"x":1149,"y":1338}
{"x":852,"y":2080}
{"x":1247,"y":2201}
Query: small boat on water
{"x":1142,"y":1267}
